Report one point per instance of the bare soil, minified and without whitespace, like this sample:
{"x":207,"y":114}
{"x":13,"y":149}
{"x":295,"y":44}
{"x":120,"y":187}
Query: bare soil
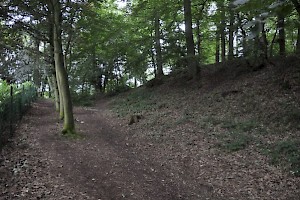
{"x":103,"y":164}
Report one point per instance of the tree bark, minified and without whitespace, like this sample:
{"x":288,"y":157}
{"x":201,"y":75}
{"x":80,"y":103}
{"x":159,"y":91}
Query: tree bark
{"x":198,"y":33}
{"x":244,"y":41}
{"x":55,"y":91}
{"x":272,"y":44}
{"x":69,"y":125}
{"x":222,"y":34}
{"x":159,"y":64}
{"x":281,"y":34}
{"x":231,"y":31}
{"x":191,"y":57}
{"x":297,"y":7}
{"x":298,"y":39}
{"x":217,"y":46}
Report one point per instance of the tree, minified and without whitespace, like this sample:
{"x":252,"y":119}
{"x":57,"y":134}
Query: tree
{"x":61,"y":73}
{"x":159,"y":61}
{"x":296,"y":4}
{"x":231,"y":32}
{"x":190,"y":45}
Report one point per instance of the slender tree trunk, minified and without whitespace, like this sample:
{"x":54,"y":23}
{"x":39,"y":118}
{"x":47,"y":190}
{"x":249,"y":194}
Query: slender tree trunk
{"x":281,"y":35}
{"x":272,"y":44}
{"x":260,"y":56}
{"x":231,"y":38}
{"x":198,"y":33}
{"x":59,"y":106}
{"x":69,"y":125}
{"x":153,"y":61}
{"x":105,"y":82}
{"x":191,"y":57}
{"x":264,"y":42}
{"x":298,"y":39}
{"x":159,"y":72}
{"x":53,"y":76}
{"x":217,"y":46}
{"x":55,"y":91}
{"x":222,"y":33}
{"x":297,"y":7}
{"x":237,"y":53}
{"x":36,"y":70}
{"x":244,"y":41}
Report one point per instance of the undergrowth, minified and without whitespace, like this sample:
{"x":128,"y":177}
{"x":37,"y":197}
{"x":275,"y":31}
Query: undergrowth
{"x":83,"y":99}
{"x":287,"y":154}
{"x":136,"y":101}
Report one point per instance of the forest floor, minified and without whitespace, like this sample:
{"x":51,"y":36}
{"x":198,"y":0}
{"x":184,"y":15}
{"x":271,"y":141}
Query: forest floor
{"x":236,"y":137}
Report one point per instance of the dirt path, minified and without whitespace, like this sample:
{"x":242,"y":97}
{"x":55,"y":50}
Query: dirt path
{"x":103,"y":165}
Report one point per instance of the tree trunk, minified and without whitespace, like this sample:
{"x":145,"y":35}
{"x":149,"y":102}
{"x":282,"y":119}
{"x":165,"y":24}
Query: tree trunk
{"x":153,"y":61}
{"x":36,"y":75}
{"x":231,"y":38}
{"x":222,"y":34}
{"x":272,"y":44}
{"x":55,"y":91}
{"x":281,"y":35}
{"x":191,"y":57}
{"x":217,"y":46}
{"x":53,"y":77}
{"x":298,"y":39}
{"x":244,"y":35}
{"x":198,"y":33}
{"x":159,"y":72}
{"x":264,"y":43}
{"x":297,"y":7}
{"x":69,"y":125}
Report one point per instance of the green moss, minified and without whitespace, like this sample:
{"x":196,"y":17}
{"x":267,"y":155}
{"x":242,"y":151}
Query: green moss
{"x":71,"y":133}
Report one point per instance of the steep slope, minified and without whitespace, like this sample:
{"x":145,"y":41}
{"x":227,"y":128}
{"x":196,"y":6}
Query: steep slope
{"x":238,"y":134}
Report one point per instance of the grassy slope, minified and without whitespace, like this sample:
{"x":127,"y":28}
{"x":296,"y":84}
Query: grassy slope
{"x":238,"y":113}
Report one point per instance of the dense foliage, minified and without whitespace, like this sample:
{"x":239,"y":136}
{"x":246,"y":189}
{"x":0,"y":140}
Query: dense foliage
{"x":111,"y":44}
{"x":5,"y":89}
{"x":14,"y":101}
{"x":92,"y":46}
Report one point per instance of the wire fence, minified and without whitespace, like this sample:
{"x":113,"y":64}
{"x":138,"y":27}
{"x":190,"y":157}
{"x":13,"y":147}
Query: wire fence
{"x":12,"y":109}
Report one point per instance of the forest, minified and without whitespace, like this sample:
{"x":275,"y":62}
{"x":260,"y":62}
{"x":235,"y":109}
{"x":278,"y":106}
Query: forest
{"x":171,"y":74}
{"x":83,"y":47}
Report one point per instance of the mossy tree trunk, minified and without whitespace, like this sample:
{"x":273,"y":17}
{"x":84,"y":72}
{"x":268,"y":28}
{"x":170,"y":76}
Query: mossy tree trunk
{"x":61,"y":73}
{"x":55,"y":91}
{"x":54,"y":78}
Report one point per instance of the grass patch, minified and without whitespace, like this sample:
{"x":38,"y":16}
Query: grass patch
{"x":136,"y":101}
{"x":234,"y":141}
{"x":85,"y":100}
{"x":238,"y":136}
{"x":286,"y":153}
{"x":242,"y":126}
